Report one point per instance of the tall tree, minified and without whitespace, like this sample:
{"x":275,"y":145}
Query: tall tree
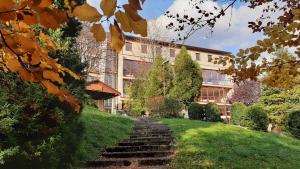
{"x":187,"y":78}
{"x":284,"y":76}
{"x":159,"y":78}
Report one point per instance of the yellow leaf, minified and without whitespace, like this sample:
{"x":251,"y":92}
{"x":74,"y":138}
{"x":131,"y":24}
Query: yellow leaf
{"x":53,"y":76}
{"x":132,"y":13}
{"x":122,"y":18}
{"x":13,"y":64}
{"x":51,"y":88}
{"x":70,"y":73}
{"x":98,"y":32}
{"x":117,"y":37}
{"x":139,"y":27}
{"x":108,"y":7}
{"x":135,"y":4}
{"x":86,"y":12}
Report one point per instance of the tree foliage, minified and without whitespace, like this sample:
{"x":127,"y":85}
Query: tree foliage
{"x":187,"y":78}
{"x":278,"y":103}
{"x":284,"y":32}
{"x":37,"y":130}
{"x":284,"y":76}
{"x":159,"y":78}
{"x":136,"y":91}
{"x":246,"y":92}
{"x":24,"y":50}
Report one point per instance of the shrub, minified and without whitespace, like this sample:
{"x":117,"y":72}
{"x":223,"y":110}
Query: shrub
{"x":255,"y":118}
{"x":293,"y":123}
{"x":208,"y":112}
{"x":237,"y":112}
{"x":164,"y":107}
{"x":172,"y":107}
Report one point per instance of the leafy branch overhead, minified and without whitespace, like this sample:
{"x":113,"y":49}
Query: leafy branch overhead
{"x":281,"y":33}
{"x":25,"y":41}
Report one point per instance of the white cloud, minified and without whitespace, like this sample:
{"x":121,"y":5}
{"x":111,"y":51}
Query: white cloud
{"x":237,"y":36}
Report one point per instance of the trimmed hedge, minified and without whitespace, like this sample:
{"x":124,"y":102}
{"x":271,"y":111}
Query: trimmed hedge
{"x":293,"y":123}
{"x":255,"y":118}
{"x":237,"y":112}
{"x":208,"y":112}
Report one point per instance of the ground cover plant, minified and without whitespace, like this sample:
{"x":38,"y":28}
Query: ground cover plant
{"x":217,"y":145}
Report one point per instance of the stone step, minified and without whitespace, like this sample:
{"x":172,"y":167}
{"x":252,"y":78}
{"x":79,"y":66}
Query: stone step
{"x":150,"y":139}
{"x":142,"y":143}
{"x":140,"y":148}
{"x":153,"y":135}
{"x":139,"y":154}
{"x":128,"y":161}
{"x":150,"y":132}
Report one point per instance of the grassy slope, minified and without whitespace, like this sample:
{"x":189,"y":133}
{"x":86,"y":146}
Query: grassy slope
{"x":101,"y":130}
{"x":215,"y":145}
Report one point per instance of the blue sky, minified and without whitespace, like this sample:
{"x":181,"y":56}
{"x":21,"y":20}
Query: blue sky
{"x":224,"y":38}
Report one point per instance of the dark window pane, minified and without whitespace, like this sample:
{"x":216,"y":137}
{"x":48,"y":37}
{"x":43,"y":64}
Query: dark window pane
{"x":158,"y":50}
{"x":128,"y":46}
{"x":144,"y":48}
{"x":135,"y":68}
{"x":172,"y":52}
{"x":197,"y":56}
{"x":209,"y":58}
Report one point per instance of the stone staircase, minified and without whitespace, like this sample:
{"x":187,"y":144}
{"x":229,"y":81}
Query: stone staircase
{"x":148,"y":146}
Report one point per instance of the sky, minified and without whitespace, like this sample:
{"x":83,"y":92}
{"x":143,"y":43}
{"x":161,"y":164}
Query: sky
{"x":230,"y":39}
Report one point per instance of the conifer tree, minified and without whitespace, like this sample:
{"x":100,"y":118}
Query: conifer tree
{"x":159,"y":78}
{"x":187,"y":78}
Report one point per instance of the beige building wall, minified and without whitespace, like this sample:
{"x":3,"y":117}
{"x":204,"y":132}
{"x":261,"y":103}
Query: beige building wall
{"x":136,"y":54}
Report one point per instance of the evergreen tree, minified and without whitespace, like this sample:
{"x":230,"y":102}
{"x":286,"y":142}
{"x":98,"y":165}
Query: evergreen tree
{"x":187,"y":78}
{"x":159,"y":78}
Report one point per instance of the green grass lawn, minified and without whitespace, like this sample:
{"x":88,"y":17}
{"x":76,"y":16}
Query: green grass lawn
{"x":216,"y":145}
{"x":101,"y":130}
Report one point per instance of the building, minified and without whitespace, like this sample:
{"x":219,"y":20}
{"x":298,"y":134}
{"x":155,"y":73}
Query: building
{"x":136,"y":57}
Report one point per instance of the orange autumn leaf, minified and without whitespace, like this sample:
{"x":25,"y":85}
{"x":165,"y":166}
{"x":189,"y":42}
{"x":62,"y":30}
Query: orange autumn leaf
{"x":139,"y":27}
{"x":135,"y":4}
{"x":86,"y":12}
{"x":13,"y":64}
{"x":53,"y":76}
{"x":6,"y":5}
{"x":117,"y":37}
{"x":98,"y":32}
{"x":108,"y":7}
{"x":132,"y":13}
{"x":122,"y":18}
{"x":52,"y":18}
{"x":51,"y":88}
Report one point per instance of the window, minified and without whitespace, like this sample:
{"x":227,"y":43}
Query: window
{"x":128,"y":46}
{"x":209,"y":58}
{"x":144,"y":48}
{"x":158,"y":50}
{"x":197,"y":56}
{"x":172,"y":53}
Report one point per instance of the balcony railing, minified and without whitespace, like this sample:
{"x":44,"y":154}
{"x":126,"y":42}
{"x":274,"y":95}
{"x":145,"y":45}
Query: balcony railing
{"x":217,"y":82}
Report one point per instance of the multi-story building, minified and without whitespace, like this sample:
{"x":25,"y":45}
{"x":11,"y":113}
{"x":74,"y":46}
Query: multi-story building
{"x":136,"y":58}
